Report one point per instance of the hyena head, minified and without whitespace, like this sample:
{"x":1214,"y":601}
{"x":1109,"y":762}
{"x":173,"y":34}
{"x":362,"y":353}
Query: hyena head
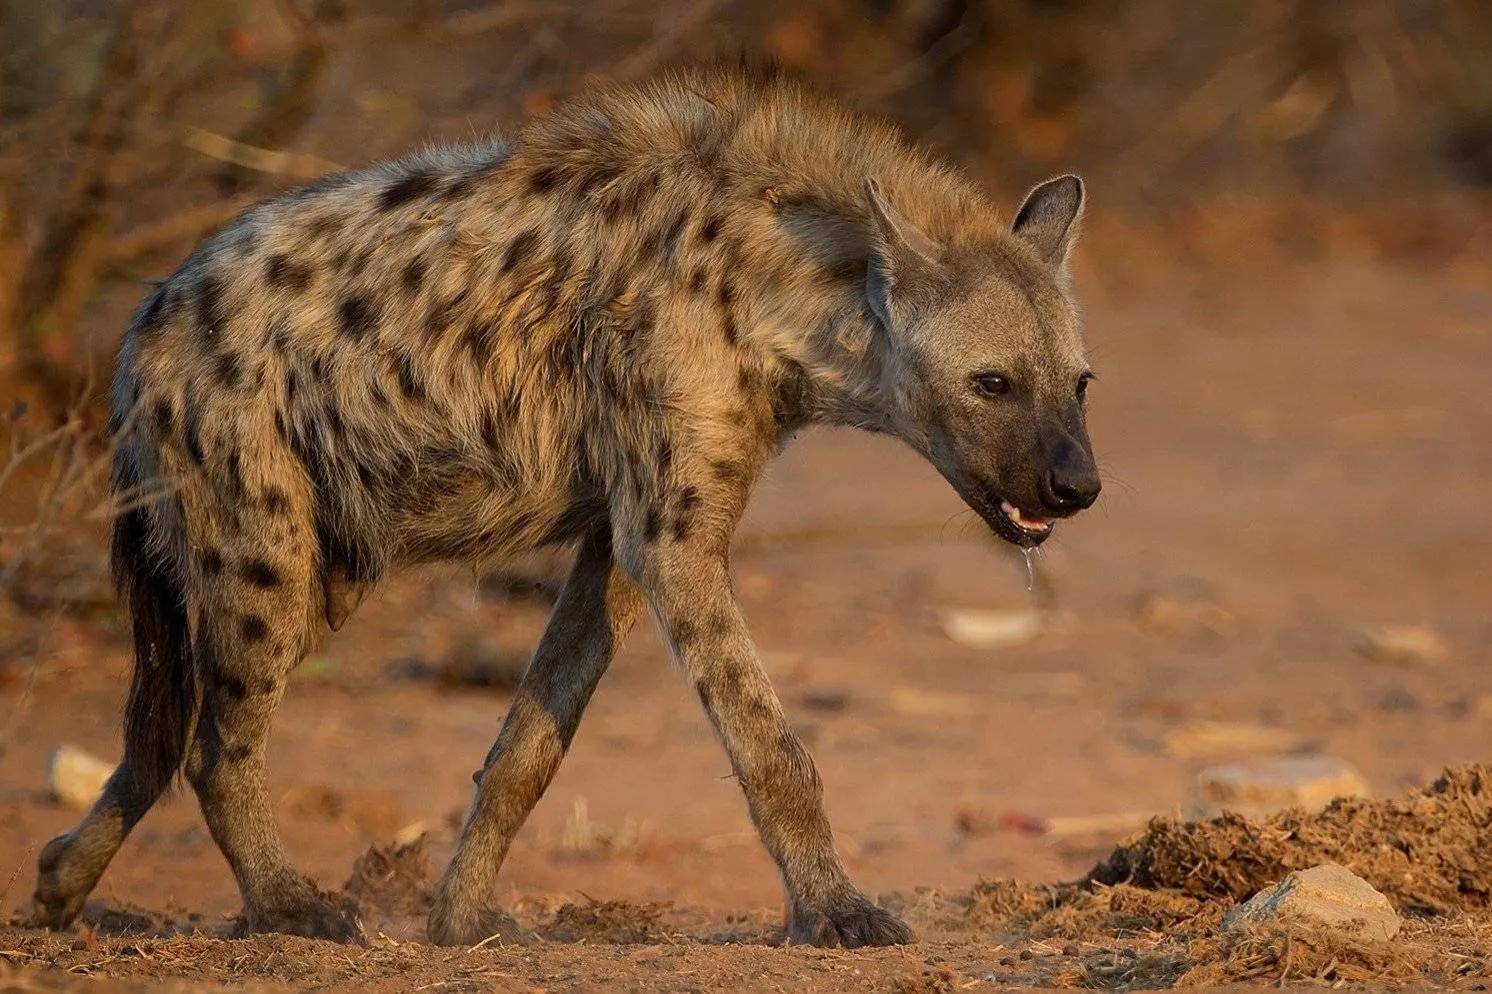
{"x":986,"y":370}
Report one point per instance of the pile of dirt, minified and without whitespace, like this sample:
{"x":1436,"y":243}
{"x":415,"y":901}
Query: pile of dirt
{"x":1151,"y":914}
{"x":1430,"y":851}
{"x":391,"y":880}
{"x":619,"y":922}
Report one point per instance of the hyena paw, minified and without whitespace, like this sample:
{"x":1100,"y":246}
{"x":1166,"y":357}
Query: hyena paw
{"x":312,"y":914}
{"x":850,"y":923}
{"x":448,"y":927}
{"x":58,"y":899}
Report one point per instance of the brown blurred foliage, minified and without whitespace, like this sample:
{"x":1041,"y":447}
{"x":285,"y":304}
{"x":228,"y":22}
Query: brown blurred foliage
{"x":129,"y":128}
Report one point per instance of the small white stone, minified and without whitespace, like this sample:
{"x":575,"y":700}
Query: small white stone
{"x":75,"y":777}
{"x":1263,"y":786}
{"x":1328,"y":896}
{"x":979,"y":629}
{"x":1401,"y":645}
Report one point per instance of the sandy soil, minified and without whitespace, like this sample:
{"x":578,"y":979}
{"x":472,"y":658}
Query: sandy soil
{"x":1291,"y":456}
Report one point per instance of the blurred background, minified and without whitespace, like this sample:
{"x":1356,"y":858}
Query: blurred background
{"x":1287,"y":276}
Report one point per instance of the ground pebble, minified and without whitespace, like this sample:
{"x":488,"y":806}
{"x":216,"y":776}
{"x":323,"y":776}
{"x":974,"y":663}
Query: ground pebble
{"x":1326,"y":896}
{"x":1263,"y":786}
{"x":76,"y":778}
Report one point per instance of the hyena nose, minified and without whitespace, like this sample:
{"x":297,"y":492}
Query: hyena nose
{"x":1072,"y":488}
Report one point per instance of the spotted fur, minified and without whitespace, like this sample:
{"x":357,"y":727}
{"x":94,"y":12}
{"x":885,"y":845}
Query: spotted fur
{"x":596,"y":332}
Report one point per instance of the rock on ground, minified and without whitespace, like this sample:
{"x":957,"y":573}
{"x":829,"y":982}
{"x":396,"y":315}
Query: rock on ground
{"x":1261,"y":786}
{"x":1327,"y":896}
{"x":76,"y":778}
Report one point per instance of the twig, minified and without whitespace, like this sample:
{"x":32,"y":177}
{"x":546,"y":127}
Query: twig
{"x":264,"y":160}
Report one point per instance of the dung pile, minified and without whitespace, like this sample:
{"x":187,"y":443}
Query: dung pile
{"x":391,"y":880}
{"x":1430,"y":851}
{"x":1151,"y":914}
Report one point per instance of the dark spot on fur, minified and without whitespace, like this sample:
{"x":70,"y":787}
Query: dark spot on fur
{"x":711,"y":230}
{"x":149,"y":317}
{"x":543,"y":180}
{"x":235,"y":473}
{"x":283,"y":273}
{"x":359,"y":316}
{"x":592,"y":178}
{"x":212,"y":562}
{"x":697,"y":281}
{"x":230,"y":685}
{"x":193,"y":435}
{"x":209,"y":305}
{"x":728,"y":471}
{"x":253,"y":628}
{"x":652,"y":525}
{"x":458,"y":188}
{"x":267,"y":686}
{"x":684,"y":513}
{"x":520,"y":247}
{"x":260,"y":573}
{"x":728,"y":328}
{"x":229,"y":371}
{"x":479,"y":338}
{"x":672,"y":234}
{"x":333,"y":418}
{"x":440,"y":315}
{"x":409,"y":381}
{"x":323,"y":225}
{"x":682,"y":632}
{"x":416,"y":184}
{"x":276,"y":501}
{"x":702,"y":688}
{"x":414,"y":275}
{"x":164,"y":417}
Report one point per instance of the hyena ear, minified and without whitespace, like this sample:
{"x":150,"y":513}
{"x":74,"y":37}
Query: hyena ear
{"x":1049,"y":216}
{"x":899,"y":251}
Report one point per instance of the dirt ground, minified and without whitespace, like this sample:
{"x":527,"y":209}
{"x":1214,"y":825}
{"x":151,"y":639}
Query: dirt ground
{"x":1294,"y":454}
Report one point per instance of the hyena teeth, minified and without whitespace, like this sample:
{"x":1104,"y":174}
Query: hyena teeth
{"x":1029,"y":522}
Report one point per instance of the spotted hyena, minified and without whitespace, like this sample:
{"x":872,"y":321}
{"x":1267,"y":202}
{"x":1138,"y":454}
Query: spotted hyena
{"x":596,"y":333}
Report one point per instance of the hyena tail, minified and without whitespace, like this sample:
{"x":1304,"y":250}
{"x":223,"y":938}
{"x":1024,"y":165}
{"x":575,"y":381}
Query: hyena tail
{"x":158,"y":716}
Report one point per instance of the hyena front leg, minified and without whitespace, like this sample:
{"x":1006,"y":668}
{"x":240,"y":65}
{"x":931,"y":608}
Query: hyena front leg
{"x":595,"y":610}
{"x":683,"y":573}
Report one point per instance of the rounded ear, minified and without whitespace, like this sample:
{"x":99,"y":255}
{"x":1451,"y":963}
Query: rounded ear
{"x":899,"y":251}
{"x":1048,"y":217}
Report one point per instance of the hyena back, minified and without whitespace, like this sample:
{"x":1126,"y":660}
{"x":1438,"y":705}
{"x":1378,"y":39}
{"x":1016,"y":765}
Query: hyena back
{"x":596,"y":333}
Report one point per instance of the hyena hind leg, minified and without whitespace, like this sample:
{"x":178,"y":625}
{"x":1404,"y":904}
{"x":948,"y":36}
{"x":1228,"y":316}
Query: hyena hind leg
{"x":254,"y":624}
{"x":71,"y":864}
{"x":161,"y":691}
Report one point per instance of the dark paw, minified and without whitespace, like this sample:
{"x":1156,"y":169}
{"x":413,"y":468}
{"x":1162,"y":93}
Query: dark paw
{"x":448,"y":928}
{"x":850,"y":924}
{"x":58,"y":900}
{"x":316,"y":915}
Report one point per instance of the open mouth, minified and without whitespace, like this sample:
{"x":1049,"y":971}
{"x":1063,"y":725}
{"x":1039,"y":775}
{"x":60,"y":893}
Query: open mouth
{"x":1019,"y":527}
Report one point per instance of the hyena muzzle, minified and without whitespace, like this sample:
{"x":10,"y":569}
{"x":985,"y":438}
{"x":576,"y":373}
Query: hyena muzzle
{"x":596,"y":333}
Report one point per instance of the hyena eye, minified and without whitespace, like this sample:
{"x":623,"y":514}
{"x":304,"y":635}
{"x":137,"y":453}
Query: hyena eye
{"x":1082,"y":388}
{"x":990,"y":384}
